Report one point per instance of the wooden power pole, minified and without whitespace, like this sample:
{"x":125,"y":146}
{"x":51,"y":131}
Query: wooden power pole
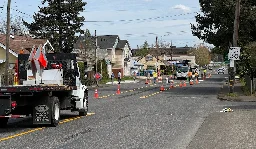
{"x":96,"y":43}
{"x":7,"y":44}
{"x":235,"y":39}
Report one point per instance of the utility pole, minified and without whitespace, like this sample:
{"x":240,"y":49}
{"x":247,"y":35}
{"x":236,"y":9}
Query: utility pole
{"x":96,"y":51}
{"x":7,"y":44}
{"x":171,"y":56}
{"x":235,"y":39}
{"x":157,"y":54}
{"x":171,"y":50}
{"x":60,"y":26}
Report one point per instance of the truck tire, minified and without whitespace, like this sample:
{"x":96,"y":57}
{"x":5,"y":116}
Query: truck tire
{"x":55,"y":105}
{"x":83,"y":112}
{"x":3,"y":122}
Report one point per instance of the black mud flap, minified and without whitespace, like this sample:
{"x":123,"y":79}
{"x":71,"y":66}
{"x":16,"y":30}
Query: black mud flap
{"x":5,"y":105}
{"x":42,"y":113}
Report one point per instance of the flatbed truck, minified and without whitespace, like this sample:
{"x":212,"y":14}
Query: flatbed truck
{"x":58,"y":88}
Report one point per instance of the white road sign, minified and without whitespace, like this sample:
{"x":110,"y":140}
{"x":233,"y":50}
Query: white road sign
{"x":234,"y":53}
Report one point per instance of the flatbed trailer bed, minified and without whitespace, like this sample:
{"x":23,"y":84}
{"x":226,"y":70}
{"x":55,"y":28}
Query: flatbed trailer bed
{"x":36,"y":88}
{"x":45,"y":97}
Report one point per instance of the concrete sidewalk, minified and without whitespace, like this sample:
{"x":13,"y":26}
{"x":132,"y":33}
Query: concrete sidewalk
{"x":227,"y":130}
{"x":223,"y":95}
{"x":222,"y":130}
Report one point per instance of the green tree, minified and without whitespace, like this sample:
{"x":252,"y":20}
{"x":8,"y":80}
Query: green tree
{"x":202,"y":55}
{"x":104,"y":68}
{"x":59,"y":21}
{"x":143,"y":51}
{"x":247,"y":63}
{"x":215,"y":23}
{"x":145,"y":45}
{"x":17,"y":26}
{"x":87,"y":46}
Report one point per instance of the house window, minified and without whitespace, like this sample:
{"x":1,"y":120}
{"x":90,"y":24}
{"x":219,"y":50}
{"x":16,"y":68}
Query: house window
{"x":149,"y":58}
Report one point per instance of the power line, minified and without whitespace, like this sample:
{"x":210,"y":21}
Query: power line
{"x":144,"y":19}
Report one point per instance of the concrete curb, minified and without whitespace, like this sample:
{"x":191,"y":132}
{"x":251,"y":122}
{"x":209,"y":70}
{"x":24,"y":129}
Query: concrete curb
{"x":223,"y":97}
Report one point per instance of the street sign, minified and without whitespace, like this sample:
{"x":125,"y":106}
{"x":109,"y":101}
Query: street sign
{"x":234,"y":53}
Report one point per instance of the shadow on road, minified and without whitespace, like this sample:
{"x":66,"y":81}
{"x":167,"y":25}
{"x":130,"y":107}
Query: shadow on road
{"x":24,"y":123}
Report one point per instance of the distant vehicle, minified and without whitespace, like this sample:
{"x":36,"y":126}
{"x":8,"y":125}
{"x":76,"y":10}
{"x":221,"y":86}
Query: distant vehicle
{"x":221,"y":71}
{"x":182,"y":72}
{"x":209,"y":67}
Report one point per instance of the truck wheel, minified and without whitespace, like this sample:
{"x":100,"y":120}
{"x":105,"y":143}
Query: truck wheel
{"x":55,"y":104}
{"x":3,"y":122}
{"x":83,"y":112}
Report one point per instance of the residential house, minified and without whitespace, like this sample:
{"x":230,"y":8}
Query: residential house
{"x":110,"y":48}
{"x":118,"y":53}
{"x":123,"y":50}
{"x":108,"y":44}
{"x":16,"y":44}
{"x":170,"y":51}
{"x":173,"y":53}
{"x":151,"y":62}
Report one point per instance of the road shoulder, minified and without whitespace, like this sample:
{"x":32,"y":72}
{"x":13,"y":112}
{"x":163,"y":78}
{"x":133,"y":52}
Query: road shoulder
{"x":226,"y":130}
{"x":239,"y":96}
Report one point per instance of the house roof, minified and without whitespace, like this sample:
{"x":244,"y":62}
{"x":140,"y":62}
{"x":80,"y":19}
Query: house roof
{"x":80,"y":43}
{"x":21,"y":42}
{"x":106,"y":41}
{"x":121,"y":44}
{"x":169,"y":51}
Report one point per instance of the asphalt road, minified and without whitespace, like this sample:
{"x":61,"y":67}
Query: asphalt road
{"x":140,"y":117}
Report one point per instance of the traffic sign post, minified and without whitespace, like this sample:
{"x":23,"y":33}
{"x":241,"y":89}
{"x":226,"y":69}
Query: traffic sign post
{"x":233,"y":55}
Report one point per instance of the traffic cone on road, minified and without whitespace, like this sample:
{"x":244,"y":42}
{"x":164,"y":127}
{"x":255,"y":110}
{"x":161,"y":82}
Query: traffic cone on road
{"x":171,"y":85}
{"x":118,"y":90}
{"x":191,"y":82}
{"x":96,"y":95}
{"x":180,"y":84}
{"x":184,"y":84}
{"x":196,"y":81}
{"x":146,"y":81}
{"x":162,"y":88}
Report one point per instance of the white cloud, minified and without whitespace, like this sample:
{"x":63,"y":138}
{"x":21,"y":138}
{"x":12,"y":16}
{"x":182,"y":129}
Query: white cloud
{"x":182,"y":7}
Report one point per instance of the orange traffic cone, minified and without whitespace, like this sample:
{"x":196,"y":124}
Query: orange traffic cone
{"x":191,"y":82}
{"x":180,"y":84}
{"x":96,"y":95}
{"x":196,"y":81}
{"x":171,"y":85}
{"x":184,"y":84}
{"x":146,"y":81}
{"x":162,"y":88}
{"x":118,"y":90}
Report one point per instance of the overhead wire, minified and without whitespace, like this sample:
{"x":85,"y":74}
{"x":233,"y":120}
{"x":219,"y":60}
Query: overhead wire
{"x":138,"y":20}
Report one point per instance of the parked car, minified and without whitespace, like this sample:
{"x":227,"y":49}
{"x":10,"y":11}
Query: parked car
{"x":221,"y":71}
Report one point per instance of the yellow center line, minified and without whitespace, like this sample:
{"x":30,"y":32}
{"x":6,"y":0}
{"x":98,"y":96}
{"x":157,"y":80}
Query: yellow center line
{"x":153,"y":94}
{"x":38,"y":129}
{"x":103,"y":96}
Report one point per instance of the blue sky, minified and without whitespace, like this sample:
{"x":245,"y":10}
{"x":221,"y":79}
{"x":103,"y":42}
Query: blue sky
{"x":133,"y":20}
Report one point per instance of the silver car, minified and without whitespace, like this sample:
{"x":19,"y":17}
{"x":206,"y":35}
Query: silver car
{"x":221,"y":71}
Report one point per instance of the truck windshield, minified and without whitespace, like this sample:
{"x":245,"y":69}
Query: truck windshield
{"x":182,"y":69}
